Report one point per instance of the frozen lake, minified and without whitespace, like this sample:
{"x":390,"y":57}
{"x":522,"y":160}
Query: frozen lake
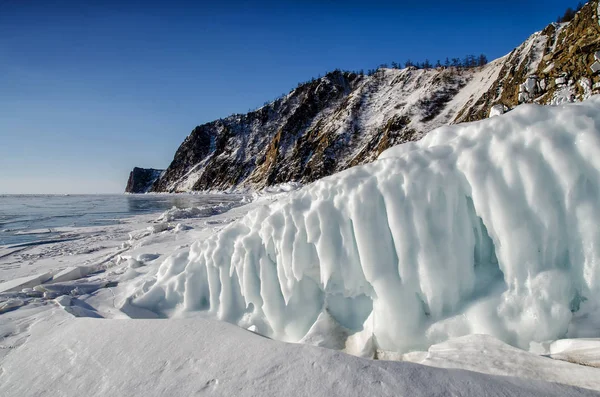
{"x":26,"y":219}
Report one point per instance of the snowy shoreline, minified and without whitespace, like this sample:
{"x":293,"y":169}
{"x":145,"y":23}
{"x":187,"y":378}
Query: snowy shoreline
{"x":81,"y":322}
{"x":316,"y":265}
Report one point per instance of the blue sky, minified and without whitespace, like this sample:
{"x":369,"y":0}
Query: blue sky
{"x":88,"y":91}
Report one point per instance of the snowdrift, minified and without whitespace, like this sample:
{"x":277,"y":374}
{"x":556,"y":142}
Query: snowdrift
{"x":489,"y":227}
{"x":88,"y":357}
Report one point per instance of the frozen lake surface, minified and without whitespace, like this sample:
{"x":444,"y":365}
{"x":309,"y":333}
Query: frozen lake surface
{"x":32,"y":219}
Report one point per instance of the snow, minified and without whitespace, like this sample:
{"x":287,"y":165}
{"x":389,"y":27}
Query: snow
{"x":548,"y":69}
{"x":158,"y":227}
{"x":528,"y":89}
{"x":530,"y":85}
{"x":194,"y":212}
{"x":485,"y":354}
{"x":565,"y":93}
{"x":419,"y":100}
{"x":197,"y":356}
{"x":496,"y":110}
{"x":586,"y":86}
{"x":427,"y":98}
{"x":480,"y":228}
{"x":80,"y":330}
{"x":486,"y":227}
{"x":533,"y":50}
{"x":24,"y":282}
{"x":579,"y":351}
{"x":72,"y":273}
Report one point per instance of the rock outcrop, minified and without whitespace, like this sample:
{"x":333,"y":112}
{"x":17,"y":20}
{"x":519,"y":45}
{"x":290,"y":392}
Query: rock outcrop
{"x":141,"y":179}
{"x":554,"y":66}
{"x":345,"y":119}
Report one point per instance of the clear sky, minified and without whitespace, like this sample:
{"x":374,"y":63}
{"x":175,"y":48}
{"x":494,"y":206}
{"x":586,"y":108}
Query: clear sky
{"x":90,"y":89}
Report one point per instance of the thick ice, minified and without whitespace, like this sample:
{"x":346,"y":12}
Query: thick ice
{"x":488,"y":227}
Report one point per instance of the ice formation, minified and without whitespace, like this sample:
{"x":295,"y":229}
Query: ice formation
{"x":488,"y":227}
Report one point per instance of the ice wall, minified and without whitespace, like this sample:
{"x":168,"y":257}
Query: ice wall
{"x":487,"y":227}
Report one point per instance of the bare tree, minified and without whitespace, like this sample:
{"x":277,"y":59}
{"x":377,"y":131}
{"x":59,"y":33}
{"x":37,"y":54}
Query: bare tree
{"x":482,"y":60}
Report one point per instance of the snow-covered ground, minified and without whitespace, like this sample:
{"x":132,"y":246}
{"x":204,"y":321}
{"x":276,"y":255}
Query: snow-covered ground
{"x":74,"y":357}
{"x":484,"y":228}
{"x":73,"y":342}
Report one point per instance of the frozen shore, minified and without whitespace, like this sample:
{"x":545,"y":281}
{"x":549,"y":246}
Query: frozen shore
{"x":474,"y":251}
{"x":65,"y":308}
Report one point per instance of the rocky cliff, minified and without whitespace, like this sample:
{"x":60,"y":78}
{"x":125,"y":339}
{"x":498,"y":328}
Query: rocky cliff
{"x":557,"y":65}
{"x":141,"y":179}
{"x":345,"y":119}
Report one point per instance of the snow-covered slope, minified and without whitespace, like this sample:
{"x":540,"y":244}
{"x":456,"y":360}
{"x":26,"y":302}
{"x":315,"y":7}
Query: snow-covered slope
{"x":485,"y":227}
{"x":345,"y":119}
{"x":188,"y":357}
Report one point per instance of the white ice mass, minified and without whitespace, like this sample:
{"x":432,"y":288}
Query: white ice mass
{"x":488,"y":227}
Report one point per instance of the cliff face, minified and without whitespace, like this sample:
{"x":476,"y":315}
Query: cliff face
{"x":553,"y":66}
{"x":320,"y":128}
{"x":345,"y":119}
{"x":141,"y":179}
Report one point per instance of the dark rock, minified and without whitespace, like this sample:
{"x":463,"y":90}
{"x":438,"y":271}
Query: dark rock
{"x":141,"y":179}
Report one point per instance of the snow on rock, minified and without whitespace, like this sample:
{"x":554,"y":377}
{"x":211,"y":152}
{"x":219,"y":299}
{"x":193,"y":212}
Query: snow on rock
{"x":563,"y":95}
{"x":586,"y":86}
{"x":530,"y":85}
{"x":528,"y":89}
{"x":496,"y":110}
{"x":200,"y":357}
{"x":487,"y":227}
